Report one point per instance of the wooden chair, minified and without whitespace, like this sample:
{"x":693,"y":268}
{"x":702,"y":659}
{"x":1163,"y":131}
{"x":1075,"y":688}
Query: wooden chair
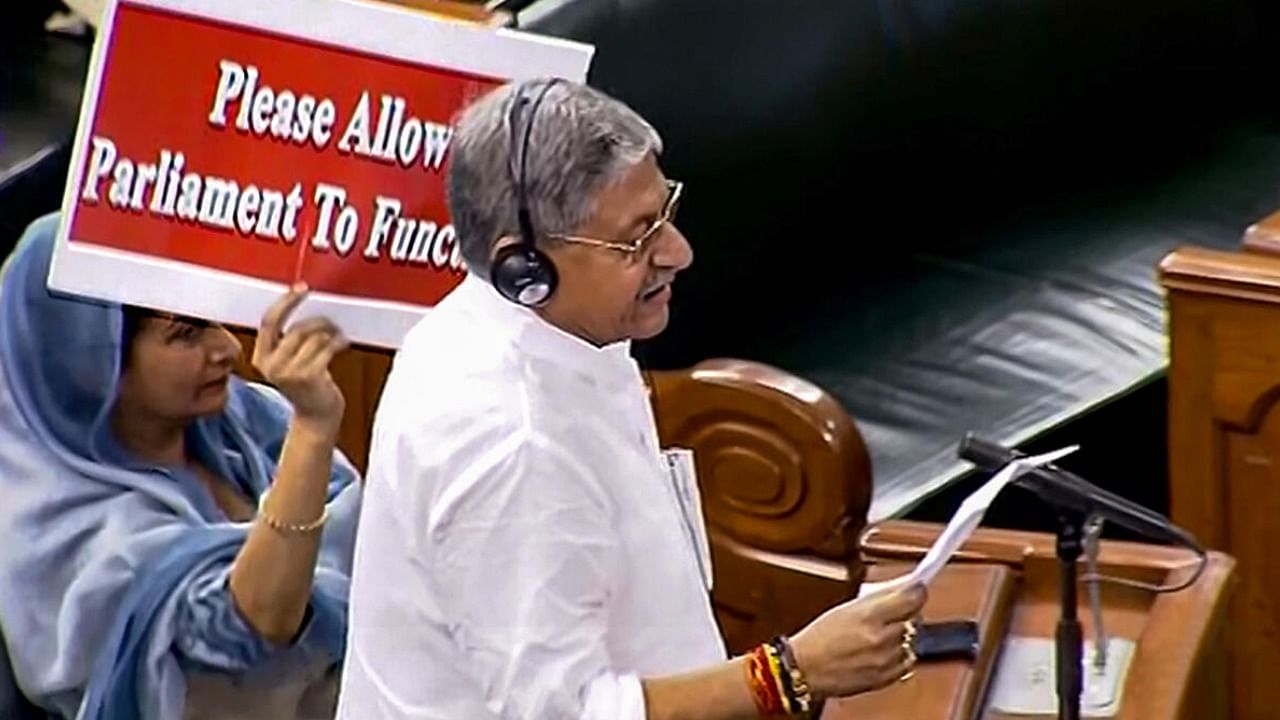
{"x":786,"y":483}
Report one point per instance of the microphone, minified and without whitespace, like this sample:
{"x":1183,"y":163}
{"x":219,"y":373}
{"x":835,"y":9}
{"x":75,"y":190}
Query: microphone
{"x":1067,"y":490}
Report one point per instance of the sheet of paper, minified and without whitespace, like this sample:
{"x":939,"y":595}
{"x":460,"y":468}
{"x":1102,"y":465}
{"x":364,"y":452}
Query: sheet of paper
{"x":964,"y":522}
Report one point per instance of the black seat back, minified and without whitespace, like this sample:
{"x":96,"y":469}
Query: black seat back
{"x":823,"y":141}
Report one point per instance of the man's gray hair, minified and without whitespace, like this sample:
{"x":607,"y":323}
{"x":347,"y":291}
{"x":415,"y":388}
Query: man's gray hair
{"x":583,"y":141}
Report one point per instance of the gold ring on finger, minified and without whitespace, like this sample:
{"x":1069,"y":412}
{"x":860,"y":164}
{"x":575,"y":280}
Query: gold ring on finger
{"x":910,"y":653}
{"x":906,"y":676}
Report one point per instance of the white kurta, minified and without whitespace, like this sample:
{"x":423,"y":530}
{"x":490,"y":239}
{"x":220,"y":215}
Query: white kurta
{"x":524,"y":551}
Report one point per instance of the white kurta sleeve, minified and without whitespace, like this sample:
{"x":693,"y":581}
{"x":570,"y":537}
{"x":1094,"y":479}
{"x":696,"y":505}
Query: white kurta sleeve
{"x":525,"y":551}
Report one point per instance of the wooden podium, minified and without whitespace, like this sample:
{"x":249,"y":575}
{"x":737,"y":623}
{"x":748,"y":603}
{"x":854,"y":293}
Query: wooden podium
{"x":1008,"y":582}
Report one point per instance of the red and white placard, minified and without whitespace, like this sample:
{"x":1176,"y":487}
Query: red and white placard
{"x":229,"y":148}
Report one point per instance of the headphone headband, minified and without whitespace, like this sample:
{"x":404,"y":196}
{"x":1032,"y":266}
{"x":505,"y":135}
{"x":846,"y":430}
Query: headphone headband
{"x":521,"y":272}
{"x":519,"y":162}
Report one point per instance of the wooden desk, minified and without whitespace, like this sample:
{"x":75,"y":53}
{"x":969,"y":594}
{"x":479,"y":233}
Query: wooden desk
{"x":1177,"y":671}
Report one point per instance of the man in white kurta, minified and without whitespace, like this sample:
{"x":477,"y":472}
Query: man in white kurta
{"x":526,"y":551}
{"x":521,"y":529}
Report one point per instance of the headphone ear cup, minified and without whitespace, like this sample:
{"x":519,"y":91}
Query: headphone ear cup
{"x":524,"y":275}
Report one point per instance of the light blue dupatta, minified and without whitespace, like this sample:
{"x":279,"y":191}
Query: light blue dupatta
{"x":113,"y":574}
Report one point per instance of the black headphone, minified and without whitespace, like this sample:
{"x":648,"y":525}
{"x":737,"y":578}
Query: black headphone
{"x":520,"y":271}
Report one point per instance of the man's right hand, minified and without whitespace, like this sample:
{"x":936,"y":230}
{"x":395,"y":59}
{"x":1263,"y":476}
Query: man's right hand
{"x":858,"y":646}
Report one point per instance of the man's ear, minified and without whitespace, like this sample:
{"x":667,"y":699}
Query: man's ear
{"x":504,"y":241}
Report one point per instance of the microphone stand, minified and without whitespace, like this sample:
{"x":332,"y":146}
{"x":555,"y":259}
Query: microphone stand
{"x":1076,"y":500}
{"x":1069,"y":640}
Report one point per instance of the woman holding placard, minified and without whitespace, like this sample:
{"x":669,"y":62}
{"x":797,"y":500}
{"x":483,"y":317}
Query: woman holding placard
{"x":178,"y":540}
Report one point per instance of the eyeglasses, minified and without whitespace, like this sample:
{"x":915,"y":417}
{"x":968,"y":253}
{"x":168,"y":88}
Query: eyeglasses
{"x":668,"y":214}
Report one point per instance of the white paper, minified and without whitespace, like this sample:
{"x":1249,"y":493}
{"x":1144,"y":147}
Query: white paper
{"x":964,"y":522}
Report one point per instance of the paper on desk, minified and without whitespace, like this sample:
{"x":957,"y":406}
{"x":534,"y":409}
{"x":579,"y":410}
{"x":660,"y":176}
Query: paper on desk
{"x":964,"y":522}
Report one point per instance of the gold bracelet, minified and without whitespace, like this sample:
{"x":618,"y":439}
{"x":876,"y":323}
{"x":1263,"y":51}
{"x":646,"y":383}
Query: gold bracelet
{"x":284,"y":527}
{"x":801,"y":695}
